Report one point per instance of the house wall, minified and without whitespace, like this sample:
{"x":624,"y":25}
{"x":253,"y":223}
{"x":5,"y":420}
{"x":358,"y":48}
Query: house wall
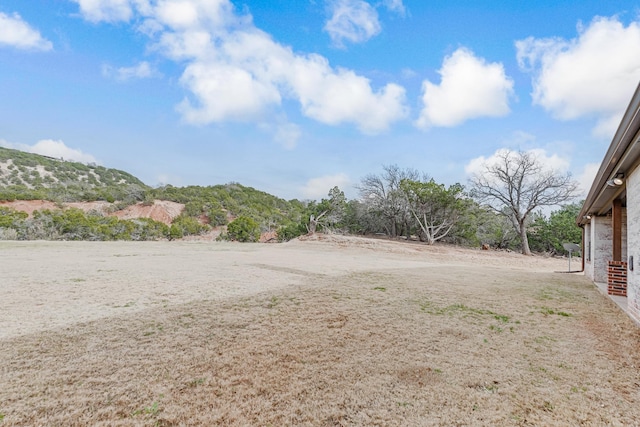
{"x":633,"y":243}
{"x":601,"y":247}
{"x":625,"y":233}
{"x":588,"y":251}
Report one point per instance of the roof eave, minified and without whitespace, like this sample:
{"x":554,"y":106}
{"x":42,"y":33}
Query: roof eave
{"x":600,"y":193}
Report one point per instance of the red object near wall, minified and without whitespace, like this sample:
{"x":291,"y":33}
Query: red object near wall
{"x":617,"y":278}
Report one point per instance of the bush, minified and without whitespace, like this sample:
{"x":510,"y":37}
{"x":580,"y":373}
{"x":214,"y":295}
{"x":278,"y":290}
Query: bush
{"x":185,"y":226}
{"x":243,"y":229}
{"x":291,"y":231}
{"x":74,"y":224}
{"x":10,"y":217}
{"x":8,"y":234}
{"x":175,"y":232}
{"x":217,"y":217}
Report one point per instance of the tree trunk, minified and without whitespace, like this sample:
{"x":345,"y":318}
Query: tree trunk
{"x":313,"y":224}
{"x":525,"y":240}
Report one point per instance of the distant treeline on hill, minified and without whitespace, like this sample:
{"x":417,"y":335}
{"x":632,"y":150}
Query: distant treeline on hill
{"x":399,"y":204}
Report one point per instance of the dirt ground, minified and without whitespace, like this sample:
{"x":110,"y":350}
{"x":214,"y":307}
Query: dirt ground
{"x":327,"y":332}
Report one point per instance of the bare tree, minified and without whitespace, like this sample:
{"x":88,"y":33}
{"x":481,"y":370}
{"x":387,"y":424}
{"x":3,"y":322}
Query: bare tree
{"x":314,"y":221}
{"x":517,"y":184}
{"x":385,"y":199}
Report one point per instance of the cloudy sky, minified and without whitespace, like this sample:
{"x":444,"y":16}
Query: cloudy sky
{"x":293,"y":97}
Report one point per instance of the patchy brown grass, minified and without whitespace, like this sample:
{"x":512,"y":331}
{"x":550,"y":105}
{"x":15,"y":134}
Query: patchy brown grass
{"x":469,"y":343}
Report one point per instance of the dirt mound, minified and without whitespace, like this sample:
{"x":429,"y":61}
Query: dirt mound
{"x":440,"y":252}
{"x":98,"y":206}
{"x":161,"y":210}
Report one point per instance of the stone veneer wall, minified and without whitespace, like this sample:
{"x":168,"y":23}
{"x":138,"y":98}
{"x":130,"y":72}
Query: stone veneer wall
{"x":588,"y":252}
{"x":633,"y":243}
{"x":624,"y":235}
{"x":601,"y":247}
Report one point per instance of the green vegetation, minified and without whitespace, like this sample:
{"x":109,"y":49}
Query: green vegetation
{"x":431,"y":308}
{"x":396,"y":203}
{"x":185,"y":226}
{"x":218,"y":201}
{"x":244,"y":229}
{"x":550,"y":311}
{"x":9,"y":218}
{"x":435,"y":208}
{"x":548,"y":234}
{"x":149,"y":410}
{"x":74,"y":224}
{"x":27,"y":176}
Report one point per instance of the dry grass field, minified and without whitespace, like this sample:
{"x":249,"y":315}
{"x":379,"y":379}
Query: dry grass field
{"x":331,"y":332}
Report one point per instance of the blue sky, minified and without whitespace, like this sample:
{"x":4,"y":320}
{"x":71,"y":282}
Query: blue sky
{"x":293,"y":97}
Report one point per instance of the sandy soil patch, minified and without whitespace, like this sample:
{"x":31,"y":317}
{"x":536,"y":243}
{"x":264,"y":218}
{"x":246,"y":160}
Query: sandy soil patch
{"x":330,"y":332}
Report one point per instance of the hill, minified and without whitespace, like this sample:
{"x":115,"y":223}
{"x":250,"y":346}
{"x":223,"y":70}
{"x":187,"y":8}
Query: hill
{"x":32,"y":183}
{"x":28,"y":176}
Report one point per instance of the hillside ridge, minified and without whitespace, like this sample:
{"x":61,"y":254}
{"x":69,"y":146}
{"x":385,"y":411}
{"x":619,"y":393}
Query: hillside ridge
{"x":39,"y":186}
{"x":19,"y":168}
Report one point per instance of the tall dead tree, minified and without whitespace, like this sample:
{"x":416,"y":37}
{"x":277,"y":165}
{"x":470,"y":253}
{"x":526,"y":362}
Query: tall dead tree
{"x":516,"y":184}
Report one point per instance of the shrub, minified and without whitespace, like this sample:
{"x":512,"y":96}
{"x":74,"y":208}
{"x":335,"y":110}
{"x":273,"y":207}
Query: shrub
{"x":10,"y":217}
{"x":243,"y":229}
{"x":175,"y":232}
{"x":8,"y":234}
{"x":217,"y":217}
{"x":185,"y":226}
{"x":291,"y":231}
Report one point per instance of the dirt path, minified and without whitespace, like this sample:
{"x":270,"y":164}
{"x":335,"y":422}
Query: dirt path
{"x":333,"y":332}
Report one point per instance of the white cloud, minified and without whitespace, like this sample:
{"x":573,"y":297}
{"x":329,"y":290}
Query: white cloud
{"x":106,"y":10}
{"x":52,"y":148}
{"x":15,"y":32}
{"x":408,"y":74}
{"x":283,"y":132}
{"x":606,"y":126}
{"x":234,"y":71}
{"x":594,"y":74}
{"x":288,"y":134}
{"x":586,"y":177}
{"x":355,"y":21}
{"x":520,"y":138}
{"x":469,"y":88}
{"x":395,"y":6}
{"x":549,"y":161}
{"x":224,"y":92}
{"x":193,"y":15}
{"x":317,"y":188}
{"x":337,"y":96}
{"x":140,"y":71}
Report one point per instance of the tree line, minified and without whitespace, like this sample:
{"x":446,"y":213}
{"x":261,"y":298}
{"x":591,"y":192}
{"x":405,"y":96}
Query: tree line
{"x":501,"y":208}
